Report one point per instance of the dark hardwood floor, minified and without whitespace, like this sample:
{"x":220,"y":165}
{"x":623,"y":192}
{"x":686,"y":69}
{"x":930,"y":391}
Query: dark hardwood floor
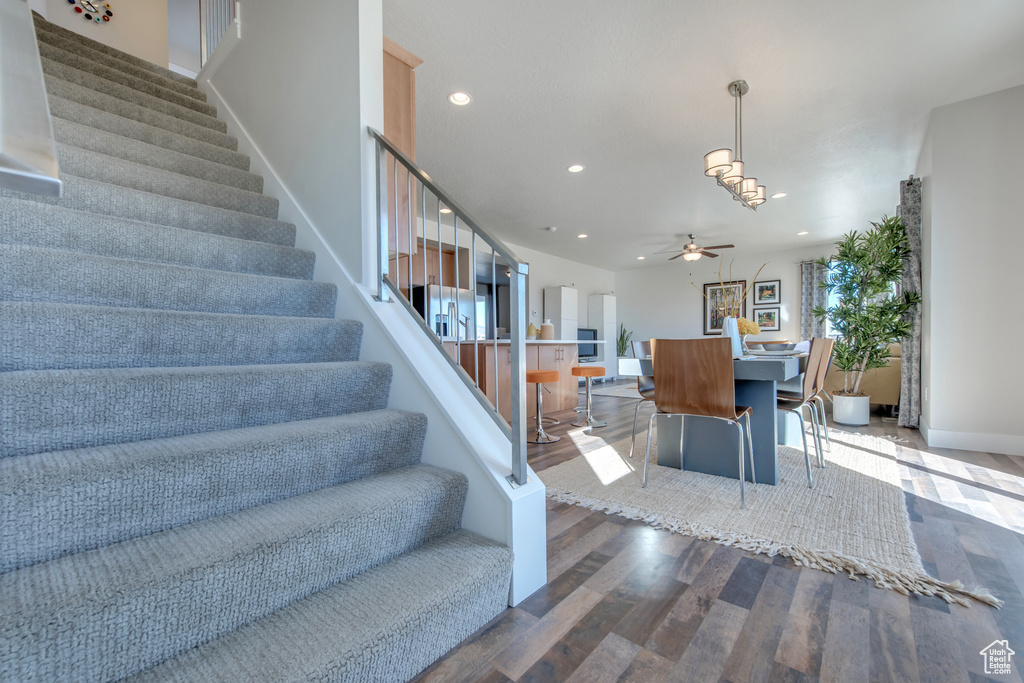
{"x":627,"y":602}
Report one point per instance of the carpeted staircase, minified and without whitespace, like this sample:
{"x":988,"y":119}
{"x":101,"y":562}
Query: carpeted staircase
{"x":199,"y":480}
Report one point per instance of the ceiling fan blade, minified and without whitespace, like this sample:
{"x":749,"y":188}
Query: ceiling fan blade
{"x":669,"y":251}
{"x":675,"y":257}
{"x":720,"y":246}
{"x":709,"y":254}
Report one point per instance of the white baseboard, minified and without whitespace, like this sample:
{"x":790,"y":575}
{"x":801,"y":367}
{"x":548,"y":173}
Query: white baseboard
{"x":1008,"y":444}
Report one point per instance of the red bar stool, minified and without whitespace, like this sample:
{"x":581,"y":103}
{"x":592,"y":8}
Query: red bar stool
{"x":541,"y":377}
{"x":588,"y":371}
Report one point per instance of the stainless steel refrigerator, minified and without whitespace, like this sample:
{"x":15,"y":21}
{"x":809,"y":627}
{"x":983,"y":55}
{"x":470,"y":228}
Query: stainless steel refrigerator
{"x":461,"y":317}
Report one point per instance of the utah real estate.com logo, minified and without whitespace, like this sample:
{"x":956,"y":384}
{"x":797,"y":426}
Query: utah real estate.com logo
{"x":998,"y":657}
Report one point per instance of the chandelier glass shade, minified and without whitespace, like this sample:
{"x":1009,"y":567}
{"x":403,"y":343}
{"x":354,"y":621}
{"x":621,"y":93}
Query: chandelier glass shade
{"x":727,"y":168}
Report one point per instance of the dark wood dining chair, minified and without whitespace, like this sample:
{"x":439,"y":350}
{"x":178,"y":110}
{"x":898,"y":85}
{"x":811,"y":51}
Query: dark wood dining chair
{"x":695,"y":377}
{"x":644,"y":386}
{"x":795,"y":403}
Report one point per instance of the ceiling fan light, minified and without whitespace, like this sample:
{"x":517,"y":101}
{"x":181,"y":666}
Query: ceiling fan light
{"x":691,"y":255}
{"x":748,"y":188}
{"x":717,"y":162}
{"x":734,"y":175}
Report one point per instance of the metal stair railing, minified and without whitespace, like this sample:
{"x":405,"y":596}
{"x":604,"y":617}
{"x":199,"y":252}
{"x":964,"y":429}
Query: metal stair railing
{"x":403,"y":224}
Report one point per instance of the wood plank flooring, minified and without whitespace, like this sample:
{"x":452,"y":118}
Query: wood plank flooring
{"x":625,"y":602}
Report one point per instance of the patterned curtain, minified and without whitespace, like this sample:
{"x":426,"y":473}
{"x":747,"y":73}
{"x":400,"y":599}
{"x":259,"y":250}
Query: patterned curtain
{"x":811,"y":295}
{"x":910,"y":385}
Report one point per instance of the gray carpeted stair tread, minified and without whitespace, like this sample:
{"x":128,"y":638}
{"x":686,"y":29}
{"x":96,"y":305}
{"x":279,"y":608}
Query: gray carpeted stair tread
{"x":108,"y":169}
{"x":67,"y":110}
{"x":88,"y":138}
{"x":73,"y":92}
{"x":53,"y":336}
{"x":91,"y":56}
{"x":143,"y":600}
{"x":34,"y":273}
{"x":47,"y":500}
{"x":128,"y":94}
{"x":86,"y":194}
{"x":44,"y":25}
{"x":37,"y":224}
{"x":76,"y":61}
{"x":53,"y":410}
{"x":386,"y":624}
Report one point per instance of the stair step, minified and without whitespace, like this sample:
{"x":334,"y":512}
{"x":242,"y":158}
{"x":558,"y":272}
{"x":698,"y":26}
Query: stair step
{"x":126,"y":94}
{"x":82,"y":64}
{"x":88,"y":56}
{"x":93,"y":196}
{"x":386,"y":624}
{"x":43,"y":25}
{"x":151,"y":486}
{"x":32,"y":223}
{"x":72,"y":277}
{"x":113,"y":611}
{"x":88,"y":138}
{"x":58,"y":89}
{"x":54,"y":410}
{"x":50,"y":336}
{"x":69,"y":111}
{"x":109,"y":169}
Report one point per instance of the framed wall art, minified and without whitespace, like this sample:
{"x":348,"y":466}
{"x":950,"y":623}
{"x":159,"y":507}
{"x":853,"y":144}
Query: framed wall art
{"x":768,"y":318}
{"x":722,"y":299}
{"x":767,"y":292}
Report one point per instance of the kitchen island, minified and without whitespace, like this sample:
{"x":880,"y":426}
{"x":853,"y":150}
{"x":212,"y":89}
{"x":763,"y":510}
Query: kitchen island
{"x":490,"y":364}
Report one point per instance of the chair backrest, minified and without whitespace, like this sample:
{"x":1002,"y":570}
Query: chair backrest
{"x":811,"y":370}
{"x":694,"y":376}
{"x":823,"y":362}
{"x":641,"y":349}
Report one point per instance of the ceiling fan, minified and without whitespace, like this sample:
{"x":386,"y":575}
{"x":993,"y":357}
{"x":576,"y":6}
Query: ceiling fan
{"x":692,"y":252}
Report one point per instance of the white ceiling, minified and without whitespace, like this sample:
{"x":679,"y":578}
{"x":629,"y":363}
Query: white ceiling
{"x":839,"y":99}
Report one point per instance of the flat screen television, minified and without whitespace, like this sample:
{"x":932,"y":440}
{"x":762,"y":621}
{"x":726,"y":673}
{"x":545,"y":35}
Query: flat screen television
{"x":587,"y":334}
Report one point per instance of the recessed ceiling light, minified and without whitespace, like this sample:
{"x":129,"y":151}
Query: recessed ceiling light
{"x":445,"y":209}
{"x":640,"y":258}
{"x":582,"y":235}
{"x":778,"y":195}
{"x":575,"y":168}
{"x":459,"y":98}
{"x":801,"y":234}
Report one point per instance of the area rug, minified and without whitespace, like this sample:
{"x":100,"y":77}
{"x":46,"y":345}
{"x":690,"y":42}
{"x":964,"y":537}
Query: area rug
{"x":854,"y":520}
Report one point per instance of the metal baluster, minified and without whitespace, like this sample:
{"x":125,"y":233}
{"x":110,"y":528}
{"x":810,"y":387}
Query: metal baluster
{"x":398,"y":271}
{"x":476,"y":342}
{"x":408,"y":201}
{"x":382,"y":224}
{"x":494,"y":319}
{"x":458,"y":310}
{"x":517,"y":319}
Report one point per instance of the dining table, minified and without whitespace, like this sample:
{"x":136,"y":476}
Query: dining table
{"x":709,"y":445}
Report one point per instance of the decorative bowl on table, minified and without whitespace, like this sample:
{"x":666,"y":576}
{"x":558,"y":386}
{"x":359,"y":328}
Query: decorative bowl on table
{"x":755,"y":346}
{"x":781,"y":346}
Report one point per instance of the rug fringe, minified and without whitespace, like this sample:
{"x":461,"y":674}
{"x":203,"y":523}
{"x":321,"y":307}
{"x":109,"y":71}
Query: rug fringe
{"x":899,"y":581}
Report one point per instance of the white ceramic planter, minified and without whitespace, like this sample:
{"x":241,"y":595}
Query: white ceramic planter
{"x":851,"y":410}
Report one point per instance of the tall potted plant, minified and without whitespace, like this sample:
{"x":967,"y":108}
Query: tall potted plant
{"x":622,"y":341}
{"x":868,"y":315}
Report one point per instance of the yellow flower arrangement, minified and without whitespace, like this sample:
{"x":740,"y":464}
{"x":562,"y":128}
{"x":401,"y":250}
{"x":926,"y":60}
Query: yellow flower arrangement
{"x":748,"y":326}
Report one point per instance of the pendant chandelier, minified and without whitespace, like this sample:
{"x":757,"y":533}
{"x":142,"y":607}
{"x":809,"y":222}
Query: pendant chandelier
{"x":727,"y":168}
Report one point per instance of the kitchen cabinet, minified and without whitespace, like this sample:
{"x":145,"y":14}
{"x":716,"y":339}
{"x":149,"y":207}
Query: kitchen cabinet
{"x":437,"y":269}
{"x":561,"y":307}
{"x":399,"y":81}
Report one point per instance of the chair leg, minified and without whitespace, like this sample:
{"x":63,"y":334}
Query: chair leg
{"x":636,"y":413}
{"x":750,"y":445}
{"x":824,"y":423}
{"x":807,"y":454}
{"x":647,"y":456}
{"x":815,"y":432}
{"x":743,"y":475}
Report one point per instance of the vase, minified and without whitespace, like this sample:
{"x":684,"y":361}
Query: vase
{"x":730,"y":328}
{"x":547,"y":330}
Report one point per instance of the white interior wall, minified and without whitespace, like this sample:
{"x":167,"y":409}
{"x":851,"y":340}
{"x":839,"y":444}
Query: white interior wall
{"x":551,"y":271}
{"x":139,"y":27}
{"x":39,"y":6}
{"x":657,"y":301}
{"x":183,"y":34}
{"x":973,"y":243}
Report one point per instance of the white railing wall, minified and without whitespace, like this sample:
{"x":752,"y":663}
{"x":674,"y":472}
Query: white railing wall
{"x":28,"y":153}
{"x":215,"y":18}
